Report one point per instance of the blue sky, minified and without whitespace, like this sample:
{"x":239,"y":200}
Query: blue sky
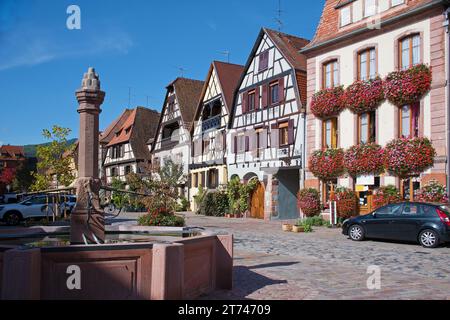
{"x":135,"y":43}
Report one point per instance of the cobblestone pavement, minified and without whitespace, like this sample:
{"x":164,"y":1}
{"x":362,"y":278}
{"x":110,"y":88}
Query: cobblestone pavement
{"x":272,"y":264}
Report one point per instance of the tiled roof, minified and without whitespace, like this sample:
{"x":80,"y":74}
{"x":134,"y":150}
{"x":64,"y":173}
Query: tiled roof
{"x":229,"y":75}
{"x":328,"y":28}
{"x":123,"y":133}
{"x":188,"y":92}
{"x":108,"y":134}
{"x":289,"y":46}
{"x":12,"y":151}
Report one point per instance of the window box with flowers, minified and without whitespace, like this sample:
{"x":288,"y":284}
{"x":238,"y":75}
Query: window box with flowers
{"x":364,"y":159}
{"x":364,"y":96}
{"x":328,"y":164}
{"x":408,"y":86}
{"x":328,"y":102}
{"x":409,"y":157}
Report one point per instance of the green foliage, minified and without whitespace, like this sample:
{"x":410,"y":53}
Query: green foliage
{"x":315,"y":221}
{"x":214,"y":204}
{"x":182,"y":205}
{"x":120,"y":200}
{"x":54,"y":159}
{"x":199,"y":197}
{"x":161,"y":218}
{"x":171,"y":173}
{"x":24,"y":176}
{"x":307,"y":228}
{"x":239,"y":194}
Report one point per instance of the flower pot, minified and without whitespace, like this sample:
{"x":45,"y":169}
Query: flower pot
{"x":298,"y":229}
{"x":287,"y":227}
{"x":228,"y":215}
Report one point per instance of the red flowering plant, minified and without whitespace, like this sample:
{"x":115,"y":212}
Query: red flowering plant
{"x":346,"y":202}
{"x":432,"y":192}
{"x":308,"y":200}
{"x":364,"y":159}
{"x":161,"y":217}
{"x":409,"y":157}
{"x":7,"y":175}
{"x":385,"y":195}
{"x":327,"y":164}
{"x":364,"y":96}
{"x":408,"y":86}
{"x":328,"y":102}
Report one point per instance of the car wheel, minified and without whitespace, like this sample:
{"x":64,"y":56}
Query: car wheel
{"x":12,"y":218}
{"x":429,"y":239}
{"x":356,"y":232}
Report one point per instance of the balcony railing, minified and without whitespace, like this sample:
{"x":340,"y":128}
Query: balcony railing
{"x":211,"y":123}
{"x":170,"y":141}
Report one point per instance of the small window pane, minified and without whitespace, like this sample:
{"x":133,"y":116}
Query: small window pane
{"x":406,"y":130}
{"x":364,"y":128}
{"x":345,"y":16}
{"x":397,"y":2}
{"x":373,"y":66}
{"x":370,"y":8}
{"x":363,"y":66}
{"x":335,"y":75}
{"x":416,"y":50}
{"x":328,"y":128}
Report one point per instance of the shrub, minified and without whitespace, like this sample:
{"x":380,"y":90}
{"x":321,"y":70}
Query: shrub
{"x":328,"y":164}
{"x":239,"y":195}
{"x":364,"y":96}
{"x":314,"y":221}
{"x":364,"y":159}
{"x":386,"y":195}
{"x":183,"y":205}
{"x":408,"y":86}
{"x":161,"y":218}
{"x":328,"y":102}
{"x":346,"y":202}
{"x":309,"y":202}
{"x":214,"y":204}
{"x":407,"y":157}
{"x":433,"y":192}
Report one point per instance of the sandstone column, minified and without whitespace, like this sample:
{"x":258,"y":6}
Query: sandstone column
{"x":87,"y":223}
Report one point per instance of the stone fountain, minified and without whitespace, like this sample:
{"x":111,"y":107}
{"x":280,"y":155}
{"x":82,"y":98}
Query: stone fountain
{"x":36,"y":264}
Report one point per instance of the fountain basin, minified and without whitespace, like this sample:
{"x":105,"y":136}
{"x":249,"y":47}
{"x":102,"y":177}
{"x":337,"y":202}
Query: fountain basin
{"x":175,"y":263}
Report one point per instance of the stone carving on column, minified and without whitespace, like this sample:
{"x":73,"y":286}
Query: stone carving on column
{"x":87,"y":221}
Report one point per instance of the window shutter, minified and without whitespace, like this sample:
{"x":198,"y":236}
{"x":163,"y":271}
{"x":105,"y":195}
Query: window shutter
{"x":252,"y":140}
{"x":291,"y":132}
{"x":216,"y":183}
{"x":274,"y":136}
{"x":235,"y":146}
{"x":247,"y":143}
{"x":244,"y":99}
{"x":281,"y":89}
{"x":265,"y":95}
{"x":224,"y":140}
{"x":257,"y":98}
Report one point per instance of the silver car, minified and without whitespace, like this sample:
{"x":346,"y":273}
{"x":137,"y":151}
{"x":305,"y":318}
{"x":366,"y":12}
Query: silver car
{"x":33,"y":207}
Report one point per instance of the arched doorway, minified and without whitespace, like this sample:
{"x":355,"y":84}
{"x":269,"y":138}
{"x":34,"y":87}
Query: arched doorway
{"x":257,"y":202}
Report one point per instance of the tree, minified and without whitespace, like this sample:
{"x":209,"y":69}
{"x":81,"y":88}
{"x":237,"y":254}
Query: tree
{"x":53,"y":159}
{"x":7,"y":176}
{"x":24,"y":176}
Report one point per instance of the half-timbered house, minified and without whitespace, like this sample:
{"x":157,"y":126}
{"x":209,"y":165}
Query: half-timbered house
{"x":126,"y":150}
{"x":172,"y":140}
{"x":266,"y":136}
{"x":208,"y":166}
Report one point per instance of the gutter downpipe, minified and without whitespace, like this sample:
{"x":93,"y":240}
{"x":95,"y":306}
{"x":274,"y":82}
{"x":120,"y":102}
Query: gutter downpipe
{"x":447,"y":162}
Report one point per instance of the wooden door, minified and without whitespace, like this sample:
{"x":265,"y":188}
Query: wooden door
{"x":257,"y":202}
{"x":365,"y":204}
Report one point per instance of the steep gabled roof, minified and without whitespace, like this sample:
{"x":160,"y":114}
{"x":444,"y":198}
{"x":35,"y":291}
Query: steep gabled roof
{"x":188,"y":92}
{"x":328,"y":30}
{"x":136,"y":129}
{"x":289,"y":46}
{"x":228,"y":75}
{"x":108,"y":134}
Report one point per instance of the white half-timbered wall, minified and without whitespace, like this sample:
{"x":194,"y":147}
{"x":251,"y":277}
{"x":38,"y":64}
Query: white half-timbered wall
{"x":119,"y":163}
{"x":216,"y":151}
{"x":241,"y":162}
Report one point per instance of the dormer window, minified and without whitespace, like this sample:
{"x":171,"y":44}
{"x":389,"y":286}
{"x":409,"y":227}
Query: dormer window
{"x":370,"y":8}
{"x":346,"y":16}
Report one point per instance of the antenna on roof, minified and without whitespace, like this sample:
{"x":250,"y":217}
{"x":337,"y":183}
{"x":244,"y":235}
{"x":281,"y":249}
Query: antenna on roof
{"x":182,"y":70}
{"x":227,"y":54}
{"x":278,"y":17}
{"x":129,"y":97}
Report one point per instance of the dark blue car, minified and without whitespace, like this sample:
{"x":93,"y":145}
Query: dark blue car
{"x":426,"y":223}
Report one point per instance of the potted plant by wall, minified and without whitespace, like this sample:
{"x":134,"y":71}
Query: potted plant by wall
{"x":364,"y":96}
{"x":385,"y":195}
{"x":308,"y":200}
{"x":328,"y":102}
{"x":287,"y":227}
{"x":346,"y":203}
{"x":433,"y":191}
{"x":408,"y":86}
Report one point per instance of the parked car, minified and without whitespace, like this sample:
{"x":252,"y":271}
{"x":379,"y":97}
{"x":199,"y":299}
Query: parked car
{"x":426,"y":223}
{"x":68,"y":203}
{"x":32,"y":207}
{"x":8,"y":198}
